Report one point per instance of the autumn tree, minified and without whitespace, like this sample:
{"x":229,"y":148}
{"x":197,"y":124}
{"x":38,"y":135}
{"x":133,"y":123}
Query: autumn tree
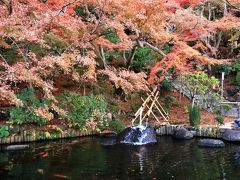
{"x":77,"y":34}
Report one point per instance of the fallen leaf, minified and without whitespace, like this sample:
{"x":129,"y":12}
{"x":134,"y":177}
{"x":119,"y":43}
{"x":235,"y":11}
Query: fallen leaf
{"x":61,"y":176}
{"x":45,"y":155}
{"x":40,"y":171}
{"x":41,"y":153}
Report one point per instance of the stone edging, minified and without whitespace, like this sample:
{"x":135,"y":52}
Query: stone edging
{"x":32,"y":136}
{"x":209,"y":132}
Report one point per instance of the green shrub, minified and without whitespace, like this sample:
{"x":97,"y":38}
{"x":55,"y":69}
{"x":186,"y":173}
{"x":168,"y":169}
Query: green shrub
{"x":194,"y":116}
{"x":56,"y":43}
{"x":219,"y":68}
{"x":21,"y":115}
{"x":238,"y":78}
{"x":116,"y":126}
{"x":236,"y":66}
{"x":112,"y":37}
{"x":216,"y":110}
{"x":4,"y":131}
{"x":143,"y":58}
{"x":81,"y":109}
{"x":166,"y":85}
{"x":26,"y":114}
{"x":219,"y":119}
{"x":112,"y":55}
{"x":227,"y":107}
{"x":81,"y":12}
{"x":168,"y":101}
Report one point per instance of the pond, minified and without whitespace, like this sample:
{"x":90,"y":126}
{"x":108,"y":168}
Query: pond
{"x":85,"y":158}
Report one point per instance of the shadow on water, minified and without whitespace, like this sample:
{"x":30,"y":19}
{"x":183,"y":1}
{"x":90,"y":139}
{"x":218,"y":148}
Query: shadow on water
{"x":85,"y":158}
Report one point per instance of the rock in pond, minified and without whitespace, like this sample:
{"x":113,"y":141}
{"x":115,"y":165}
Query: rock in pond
{"x":231,"y":135}
{"x":138,"y":135}
{"x":182,"y":133}
{"x":214,"y":143}
{"x":16,"y":147}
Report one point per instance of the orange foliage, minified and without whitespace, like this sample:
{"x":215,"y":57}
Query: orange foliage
{"x":182,"y":58}
{"x":136,"y":23}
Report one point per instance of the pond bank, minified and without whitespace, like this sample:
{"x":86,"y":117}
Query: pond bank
{"x":35,"y":135}
{"x":232,"y":135}
{"x":210,"y":132}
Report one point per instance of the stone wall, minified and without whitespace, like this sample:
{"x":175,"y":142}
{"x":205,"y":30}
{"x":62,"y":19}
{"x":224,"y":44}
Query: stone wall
{"x":31,"y":136}
{"x":210,"y":132}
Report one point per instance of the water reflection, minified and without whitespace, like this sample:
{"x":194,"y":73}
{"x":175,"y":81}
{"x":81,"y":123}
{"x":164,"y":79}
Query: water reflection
{"x":85,"y":158}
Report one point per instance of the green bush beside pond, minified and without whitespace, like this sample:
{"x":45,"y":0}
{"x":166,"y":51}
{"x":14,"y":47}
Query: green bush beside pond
{"x":116,"y":126}
{"x":83,"y":109}
{"x":82,"y":112}
{"x":26,"y":114}
{"x":194,"y":116}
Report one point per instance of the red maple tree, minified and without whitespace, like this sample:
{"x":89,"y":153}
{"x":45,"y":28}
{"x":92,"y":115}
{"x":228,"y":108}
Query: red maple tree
{"x":84,"y":28}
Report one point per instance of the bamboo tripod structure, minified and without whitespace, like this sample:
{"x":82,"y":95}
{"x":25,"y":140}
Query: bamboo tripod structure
{"x":147,"y":107}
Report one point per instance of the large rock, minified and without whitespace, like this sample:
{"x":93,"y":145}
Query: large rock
{"x":16,"y":147}
{"x":182,"y":133}
{"x":231,"y":135}
{"x":215,"y":143}
{"x":237,"y":122}
{"x":138,"y":135}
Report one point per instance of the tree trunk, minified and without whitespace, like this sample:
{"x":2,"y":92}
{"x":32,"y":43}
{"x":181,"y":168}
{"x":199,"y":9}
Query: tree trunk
{"x":209,"y":69}
{"x":102,"y":56}
{"x":225,"y":8}
{"x":124,"y":59}
{"x":131,"y":57}
{"x":193,"y":101}
{"x":209,"y":11}
{"x":8,"y":5}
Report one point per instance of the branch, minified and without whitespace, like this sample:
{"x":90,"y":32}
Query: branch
{"x":153,"y":47}
{"x":65,"y":6}
{"x":100,"y":16}
{"x":213,"y":50}
{"x":21,"y":52}
{"x":219,"y":40}
{"x":102,"y":57}
{"x":5,"y":61}
{"x":124,"y":57}
{"x":231,"y":5}
{"x":9,"y":6}
{"x":131,"y":57}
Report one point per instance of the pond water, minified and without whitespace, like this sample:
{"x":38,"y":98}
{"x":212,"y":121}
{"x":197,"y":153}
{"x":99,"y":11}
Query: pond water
{"x":85,"y":158}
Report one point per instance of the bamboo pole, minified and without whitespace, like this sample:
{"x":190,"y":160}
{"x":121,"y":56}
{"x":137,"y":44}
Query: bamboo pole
{"x":151,"y":111}
{"x":229,"y":102}
{"x":153,"y":102}
{"x":141,"y":109}
{"x":166,"y":114}
{"x":161,"y":112}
